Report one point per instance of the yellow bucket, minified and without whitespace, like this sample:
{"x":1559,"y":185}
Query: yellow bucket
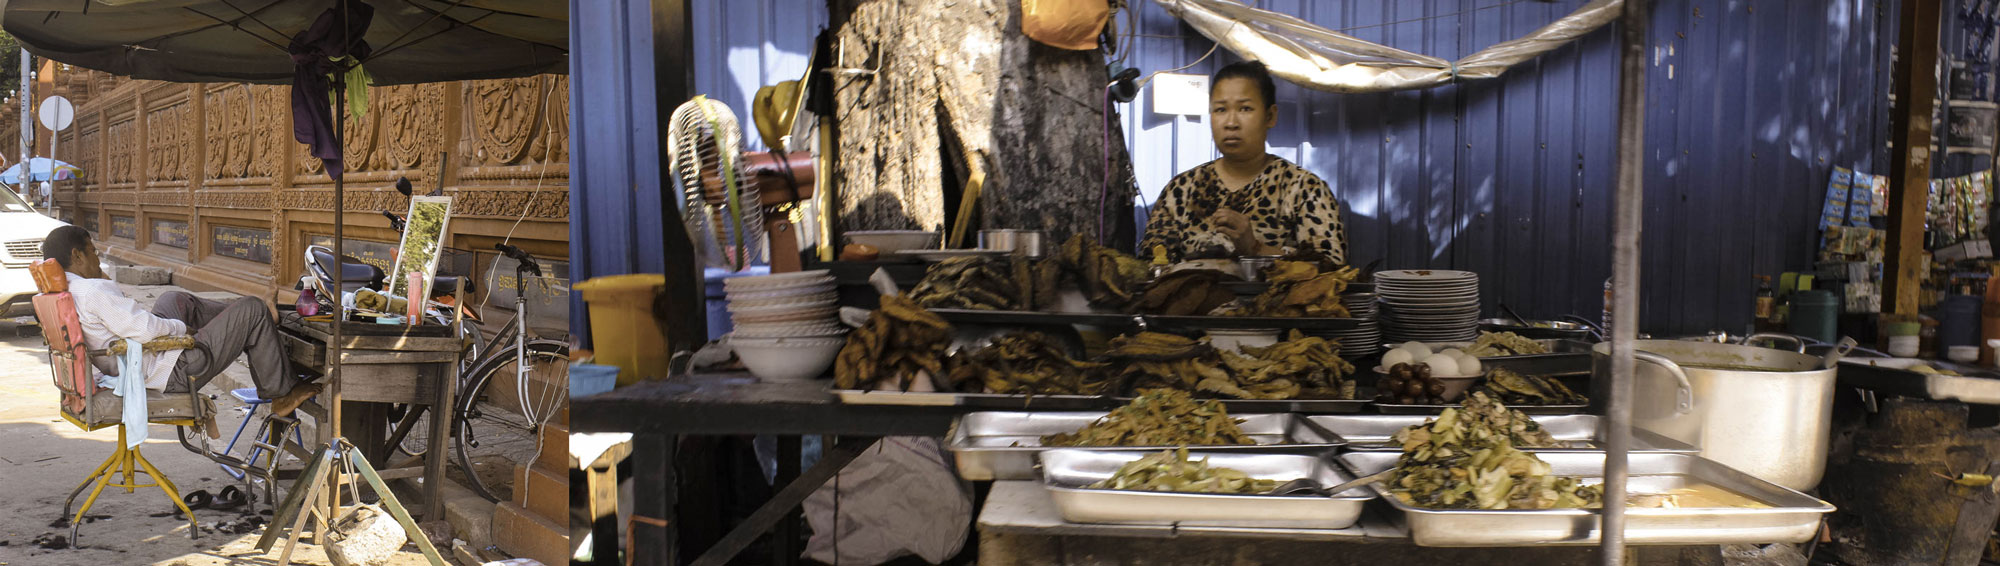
{"x":622,"y":326}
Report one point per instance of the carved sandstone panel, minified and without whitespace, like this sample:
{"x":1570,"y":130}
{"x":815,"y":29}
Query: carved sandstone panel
{"x":123,"y":144}
{"x":228,"y":131}
{"x":412,"y":123}
{"x":504,"y":113}
{"x":273,"y":132}
{"x":166,"y":149}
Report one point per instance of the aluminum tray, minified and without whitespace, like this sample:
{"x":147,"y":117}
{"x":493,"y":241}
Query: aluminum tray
{"x":1565,"y":357}
{"x":1578,"y":433}
{"x":1065,"y":472}
{"x":1793,"y":517}
{"x":995,"y":445}
{"x":1308,"y":406}
{"x":1198,"y":323}
{"x":984,"y":400}
{"x":977,"y":316}
{"x":1890,"y":375}
{"x":1398,"y":409}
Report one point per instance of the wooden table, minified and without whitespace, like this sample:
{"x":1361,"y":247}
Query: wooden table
{"x":383,"y":365}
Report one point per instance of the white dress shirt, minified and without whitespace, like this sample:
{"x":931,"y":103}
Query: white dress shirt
{"x":107,"y":314}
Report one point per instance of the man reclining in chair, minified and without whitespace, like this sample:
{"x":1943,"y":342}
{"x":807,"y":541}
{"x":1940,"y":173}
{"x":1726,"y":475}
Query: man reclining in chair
{"x":227,"y":330}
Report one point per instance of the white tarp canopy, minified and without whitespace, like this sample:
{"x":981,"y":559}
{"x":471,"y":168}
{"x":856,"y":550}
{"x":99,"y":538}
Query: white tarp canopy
{"x":1323,"y":59}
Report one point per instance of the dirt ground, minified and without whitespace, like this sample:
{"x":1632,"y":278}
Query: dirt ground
{"x":43,"y":457}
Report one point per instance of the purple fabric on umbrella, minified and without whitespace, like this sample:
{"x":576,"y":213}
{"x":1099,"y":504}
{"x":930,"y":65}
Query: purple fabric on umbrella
{"x":312,"y":53}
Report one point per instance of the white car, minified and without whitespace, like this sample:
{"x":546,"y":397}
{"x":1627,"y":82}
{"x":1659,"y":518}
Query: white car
{"x":21,"y":232}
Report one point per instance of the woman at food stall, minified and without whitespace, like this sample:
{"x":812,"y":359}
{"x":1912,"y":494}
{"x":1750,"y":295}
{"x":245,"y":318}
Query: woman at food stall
{"x":1248,"y":202}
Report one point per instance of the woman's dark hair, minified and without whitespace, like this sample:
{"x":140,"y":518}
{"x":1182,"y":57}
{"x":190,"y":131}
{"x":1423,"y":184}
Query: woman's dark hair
{"x":1253,"y":70}
{"x":63,"y":242}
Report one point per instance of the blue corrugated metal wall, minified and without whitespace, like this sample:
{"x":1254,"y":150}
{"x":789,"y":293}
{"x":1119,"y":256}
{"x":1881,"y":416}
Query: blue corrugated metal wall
{"x":614,"y":170}
{"x":1751,"y":105}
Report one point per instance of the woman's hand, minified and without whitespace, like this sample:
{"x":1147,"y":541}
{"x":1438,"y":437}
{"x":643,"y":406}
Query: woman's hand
{"x":1235,"y":226}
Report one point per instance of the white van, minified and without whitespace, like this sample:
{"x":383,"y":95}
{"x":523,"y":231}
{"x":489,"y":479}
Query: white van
{"x":21,"y":232}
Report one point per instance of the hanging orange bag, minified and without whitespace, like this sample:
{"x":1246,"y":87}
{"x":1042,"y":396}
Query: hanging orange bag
{"x":1068,"y":24}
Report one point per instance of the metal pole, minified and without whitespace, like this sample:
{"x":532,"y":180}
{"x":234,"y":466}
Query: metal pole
{"x":1629,"y":210}
{"x":27,"y":114}
{"x":49,"y":201}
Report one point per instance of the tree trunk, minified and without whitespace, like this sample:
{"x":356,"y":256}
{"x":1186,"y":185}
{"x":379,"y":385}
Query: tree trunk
{"x":957,"y":89}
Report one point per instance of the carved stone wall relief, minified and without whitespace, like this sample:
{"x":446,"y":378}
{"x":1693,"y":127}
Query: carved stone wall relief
{"x":503,"y":114}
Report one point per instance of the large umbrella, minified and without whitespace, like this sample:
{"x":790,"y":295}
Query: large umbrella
{"x":314,"y":45}
{"x":40,"y":169}
{"x":245,"y":41}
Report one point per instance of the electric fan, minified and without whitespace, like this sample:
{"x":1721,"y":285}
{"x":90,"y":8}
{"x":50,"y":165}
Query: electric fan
{"x":720,"y":205}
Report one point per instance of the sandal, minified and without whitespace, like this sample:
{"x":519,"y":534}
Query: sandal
{"x":198,"y":500}
{"x":229,"y":498}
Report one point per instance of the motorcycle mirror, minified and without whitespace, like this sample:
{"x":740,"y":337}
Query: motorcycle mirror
{"x":403,"y":185}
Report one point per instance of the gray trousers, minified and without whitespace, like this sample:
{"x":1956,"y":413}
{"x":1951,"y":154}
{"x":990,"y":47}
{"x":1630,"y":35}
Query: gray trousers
{"x":242,"y":327}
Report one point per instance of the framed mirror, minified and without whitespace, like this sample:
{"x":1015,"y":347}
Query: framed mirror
{"x":423,"y":239}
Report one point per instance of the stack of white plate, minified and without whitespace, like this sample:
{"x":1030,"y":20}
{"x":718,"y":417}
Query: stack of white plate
{"x":1364,"y":339}
{"x":1428,"y":305}
{"x":785,"y":305}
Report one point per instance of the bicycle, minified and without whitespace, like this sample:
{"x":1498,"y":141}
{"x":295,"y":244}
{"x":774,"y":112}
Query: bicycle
{"x":499,"y":412}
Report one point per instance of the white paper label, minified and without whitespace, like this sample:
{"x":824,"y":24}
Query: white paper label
{"x":1179,"y":94}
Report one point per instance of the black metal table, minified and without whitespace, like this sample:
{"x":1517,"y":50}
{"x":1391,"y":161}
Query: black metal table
{"x":737,"y":404}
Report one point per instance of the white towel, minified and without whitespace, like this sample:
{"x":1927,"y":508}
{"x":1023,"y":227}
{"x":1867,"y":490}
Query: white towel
{"x":131,"y":384}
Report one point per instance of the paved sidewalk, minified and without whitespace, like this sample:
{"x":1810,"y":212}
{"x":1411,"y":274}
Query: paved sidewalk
{"x":42,"y":457}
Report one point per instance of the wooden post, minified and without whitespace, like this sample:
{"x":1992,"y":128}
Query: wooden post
{"x":1910,"y":166}
{"x":684,"y":323}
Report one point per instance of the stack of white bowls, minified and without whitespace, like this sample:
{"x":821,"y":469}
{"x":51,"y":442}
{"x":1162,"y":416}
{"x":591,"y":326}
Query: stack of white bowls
{"x":787,"y":326}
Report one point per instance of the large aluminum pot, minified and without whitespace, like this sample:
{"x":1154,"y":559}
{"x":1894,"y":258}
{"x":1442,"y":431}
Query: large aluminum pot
{"x":1763,"y":411}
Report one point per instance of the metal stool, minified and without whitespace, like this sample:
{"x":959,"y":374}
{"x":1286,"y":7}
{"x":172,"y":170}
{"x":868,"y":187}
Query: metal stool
{"x":263,"y":441}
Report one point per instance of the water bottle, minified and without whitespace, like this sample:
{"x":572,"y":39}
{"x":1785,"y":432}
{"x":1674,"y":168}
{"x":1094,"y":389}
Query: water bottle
{"x":1607,"y":306}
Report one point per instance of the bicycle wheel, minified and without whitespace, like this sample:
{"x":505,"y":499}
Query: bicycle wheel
{"x":417,"y":442}
{"x":494,"y":432}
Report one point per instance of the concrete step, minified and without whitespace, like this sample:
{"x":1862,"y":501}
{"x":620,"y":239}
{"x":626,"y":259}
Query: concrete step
{"x":555,"y":447}
{"x":543,"y":490}
{"x":524,"y":534}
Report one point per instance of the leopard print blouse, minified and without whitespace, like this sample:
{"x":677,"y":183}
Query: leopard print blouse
{"x":1288,"y":207}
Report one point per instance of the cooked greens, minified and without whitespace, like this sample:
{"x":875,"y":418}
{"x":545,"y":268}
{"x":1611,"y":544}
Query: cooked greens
{"x":1159,"y":417}
{"x":1171,"y":471}
{"x":1467,"y":459}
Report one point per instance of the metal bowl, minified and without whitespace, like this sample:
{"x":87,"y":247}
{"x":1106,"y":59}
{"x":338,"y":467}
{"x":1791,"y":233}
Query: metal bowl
{"x":1252,"y":267}
{"x":1010,"y":240}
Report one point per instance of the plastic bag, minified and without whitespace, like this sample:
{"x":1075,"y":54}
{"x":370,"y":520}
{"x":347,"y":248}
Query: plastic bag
{"x":900,"y":497}
{"x":1068,"y":24}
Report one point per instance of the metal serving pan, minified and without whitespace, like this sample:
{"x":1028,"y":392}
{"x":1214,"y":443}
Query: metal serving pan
{"x":1578,"y":433}
{"x":1308,"y":406}
{"x":1434,"y":410}
{"x":985,"y":400}
{"x":997,"y":445}
{"x":1066,"y":472}
{"x":1792,"y":518}
{"x":1892,"y":375}
{"x":1565,"y":357}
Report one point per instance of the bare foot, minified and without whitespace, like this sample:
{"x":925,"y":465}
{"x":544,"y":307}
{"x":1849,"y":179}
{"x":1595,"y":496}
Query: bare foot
{"x":283,"y":406}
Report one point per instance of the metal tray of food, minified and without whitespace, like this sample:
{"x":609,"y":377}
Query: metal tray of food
{"x":1167,"y":323}
{"x":1001,"y":445}
{"x":977,"y":316}
{"x":1893,"y":376}
{"x":1790,"y":516}
{"x":1307,"y":406}
{"x":1565,"y":357}
{"x":1067,"y":472}
{"x":1577,"y":433}
{"x":1400,"y":409}
{"x":983,"y":400}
